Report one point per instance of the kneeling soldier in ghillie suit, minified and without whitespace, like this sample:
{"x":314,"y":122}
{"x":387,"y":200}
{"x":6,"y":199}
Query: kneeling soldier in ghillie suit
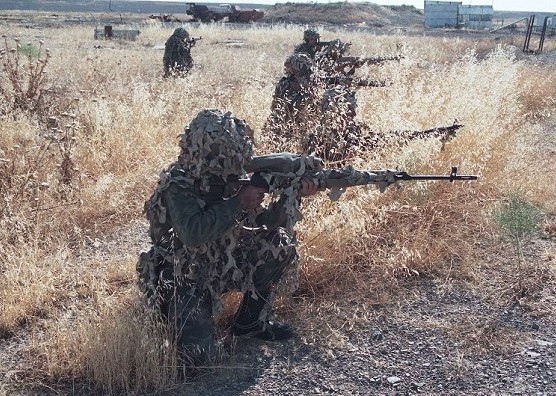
{"x":177,"y":53}
{"x":294,"y":103}
{"x":310,"y":46}
{"x":211,"y":235}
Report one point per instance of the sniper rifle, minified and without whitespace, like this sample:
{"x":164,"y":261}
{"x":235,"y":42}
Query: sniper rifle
{"x":279,"y":171}
{"x":375,"y":60}
{"x":352,"y":81}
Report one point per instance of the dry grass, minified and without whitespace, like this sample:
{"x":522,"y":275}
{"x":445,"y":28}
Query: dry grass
{"x":116,"y":127}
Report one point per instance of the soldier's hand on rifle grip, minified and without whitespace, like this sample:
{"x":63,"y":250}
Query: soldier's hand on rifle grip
{"x":308,"y":187}
{"x":251,"y":197}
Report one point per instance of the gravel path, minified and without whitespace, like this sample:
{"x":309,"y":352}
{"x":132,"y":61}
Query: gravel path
{"x":410,"y":351}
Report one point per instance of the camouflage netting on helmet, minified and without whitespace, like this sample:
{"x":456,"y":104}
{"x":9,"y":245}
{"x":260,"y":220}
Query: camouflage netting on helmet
{"x":294,"y":103}
{"x":181,"y":33}
{"x":328,"y":58}
{"x":215,"y":144}
{"x":310,"y":34}
{"x":299,"y":64}
{"x":335,"y":48}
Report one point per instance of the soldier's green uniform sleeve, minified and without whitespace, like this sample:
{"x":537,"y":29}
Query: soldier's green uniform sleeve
{"x":195,"y":225}
{"x":275,"y":216}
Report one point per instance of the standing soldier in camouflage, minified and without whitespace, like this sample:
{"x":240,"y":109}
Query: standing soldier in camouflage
{"x":177,"y":53}
{"x":210,"y":235}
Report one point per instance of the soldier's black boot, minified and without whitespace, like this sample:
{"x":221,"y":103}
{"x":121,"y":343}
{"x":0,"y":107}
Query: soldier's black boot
{"x":247,"y":323}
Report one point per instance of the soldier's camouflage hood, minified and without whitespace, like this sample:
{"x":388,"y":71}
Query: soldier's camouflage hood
{"x":215,"y":145}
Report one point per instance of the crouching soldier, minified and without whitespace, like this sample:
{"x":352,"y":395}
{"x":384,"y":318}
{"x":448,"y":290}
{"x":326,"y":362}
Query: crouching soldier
{"x":210,"y":234}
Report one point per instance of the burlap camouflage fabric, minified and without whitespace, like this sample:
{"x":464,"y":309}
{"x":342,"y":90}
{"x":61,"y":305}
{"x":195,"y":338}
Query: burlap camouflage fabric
{"x":177,"y":58}
{"x":338,"y":137}
{"x":329,"y":59}
{"x":295,"y":99}
{"x":311,"y":34}
{"x":203,"y":243}
{"x":308,"y":47}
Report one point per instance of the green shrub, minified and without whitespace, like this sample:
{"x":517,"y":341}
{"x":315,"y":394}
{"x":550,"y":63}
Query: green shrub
{"x":517,"y":220}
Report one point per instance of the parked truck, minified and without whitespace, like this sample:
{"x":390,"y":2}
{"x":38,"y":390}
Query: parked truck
{"x":211,"y":13}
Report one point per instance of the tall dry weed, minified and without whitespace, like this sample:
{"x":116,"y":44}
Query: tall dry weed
{"x":121,"y":350}
{"x":22,"y":73}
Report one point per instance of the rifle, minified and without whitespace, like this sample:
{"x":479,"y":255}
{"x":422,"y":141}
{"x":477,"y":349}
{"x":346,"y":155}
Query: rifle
{"x":377,"y":60}
{"x":348,"y":81}
{"x":281,"y":171}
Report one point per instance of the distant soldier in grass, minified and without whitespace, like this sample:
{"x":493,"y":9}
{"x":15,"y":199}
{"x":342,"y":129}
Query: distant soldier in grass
{"x":211,"y":234}
{"x":295,"y":102}
{"x":311,"y":44}
{"x":332,"y":59}
{"x":177,"y":53}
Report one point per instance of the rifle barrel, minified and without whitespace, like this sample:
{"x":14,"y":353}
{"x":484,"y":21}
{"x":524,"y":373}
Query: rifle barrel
{"x":436,"y":177}
{"x":453,"y":176}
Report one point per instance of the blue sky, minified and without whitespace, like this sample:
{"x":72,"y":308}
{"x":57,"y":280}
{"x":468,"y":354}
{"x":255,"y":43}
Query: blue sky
{"x":499,"y":5}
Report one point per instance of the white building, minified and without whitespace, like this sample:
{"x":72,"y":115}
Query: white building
{"x":455,"y":14}
{"x":475,"y":17}
{"x":441,"y":13}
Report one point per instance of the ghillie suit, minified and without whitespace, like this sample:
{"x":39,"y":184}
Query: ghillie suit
{"x":310,"y":44}
{"x":177,"y":54}
{"x":340,"y":136}
{"x":204,"y":244}
{"x":294,"y":104}
{"x":330,"y":60}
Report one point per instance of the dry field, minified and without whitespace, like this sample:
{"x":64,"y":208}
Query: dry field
{"x":85,"y":127}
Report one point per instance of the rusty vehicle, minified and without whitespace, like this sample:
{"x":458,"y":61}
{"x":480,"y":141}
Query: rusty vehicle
{"x":245,"y":16}
{"x":213,"y":13}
